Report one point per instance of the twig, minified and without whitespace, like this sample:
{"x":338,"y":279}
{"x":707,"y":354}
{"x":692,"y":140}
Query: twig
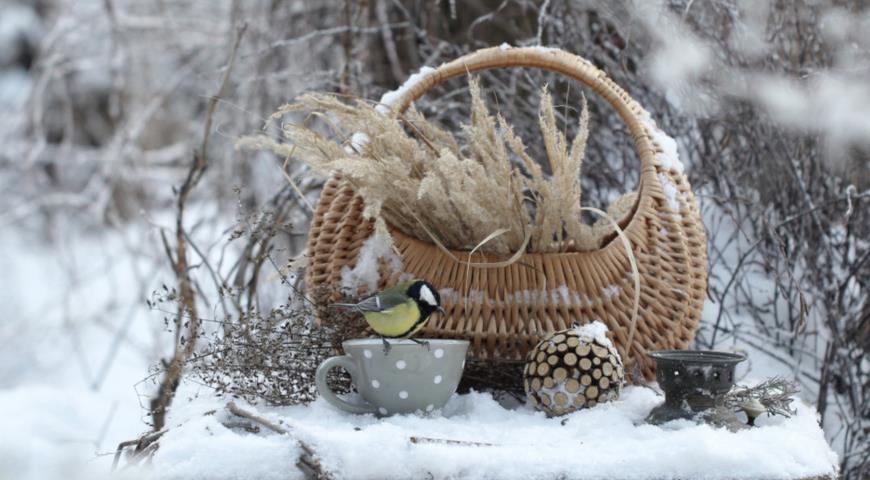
{"x":308,"y":462}
{"x":749,"y":251}
{"x":185,"y":347}
{"x":389,"y":42}
{"x":447,"y":441}
{"x":240,"y":412}
{"x":326,"y":32}
{"x":142,"y":443}
{"x":219,"y":282}
{"x":542,"y":19}
{"x":293,"y":184}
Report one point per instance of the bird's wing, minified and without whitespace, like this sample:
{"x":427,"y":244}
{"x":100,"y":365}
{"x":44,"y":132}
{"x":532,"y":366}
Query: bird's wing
{"x":382,"y":301}
{"x":385,"y":300}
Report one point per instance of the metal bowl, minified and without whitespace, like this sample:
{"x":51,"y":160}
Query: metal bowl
{"x":693,"y":382}
{"x":683,"y":372}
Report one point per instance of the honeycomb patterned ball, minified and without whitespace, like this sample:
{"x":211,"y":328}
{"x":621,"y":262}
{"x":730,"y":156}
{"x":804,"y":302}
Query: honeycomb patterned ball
{"x":573,"y":369}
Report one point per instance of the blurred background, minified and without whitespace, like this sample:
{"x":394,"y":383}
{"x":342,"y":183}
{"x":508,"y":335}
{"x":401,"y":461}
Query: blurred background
{"x":105,"y":105}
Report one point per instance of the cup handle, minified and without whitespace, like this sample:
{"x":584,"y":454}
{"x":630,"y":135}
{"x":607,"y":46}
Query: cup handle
{"x":348,"y":364}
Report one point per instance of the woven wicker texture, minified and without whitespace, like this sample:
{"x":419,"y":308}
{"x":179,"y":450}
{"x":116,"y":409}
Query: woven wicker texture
{"x":505,"y":311}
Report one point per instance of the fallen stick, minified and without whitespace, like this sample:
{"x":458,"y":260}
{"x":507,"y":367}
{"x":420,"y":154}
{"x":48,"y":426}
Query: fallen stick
{"x":142,"y":443}
{"x":447,"y":441}
{"x":307,"y":462}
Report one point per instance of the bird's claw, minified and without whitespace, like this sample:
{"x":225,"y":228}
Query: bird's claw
{"x":423,"y":343}
{"x":387,"y":347}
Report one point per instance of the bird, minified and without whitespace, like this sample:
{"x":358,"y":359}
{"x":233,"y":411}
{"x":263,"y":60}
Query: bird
{"x":399,"y":311}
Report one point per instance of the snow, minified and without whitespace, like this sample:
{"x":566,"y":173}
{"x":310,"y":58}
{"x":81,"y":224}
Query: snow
{"x":358,"y":141}
{"x":671,"y":193}
{"x":597,"y":330}
{"x":15,"y":85}
{"x":669,"y":158}
{"x":679,"y":60}
{"x":608,"y":441}
{"x":54,"y":432}
{"x":544,"y":49}
{"x":611,"y":291}
{"x":205,"y":448}
{"x":73,"y":345}
{"x":829,"y":102}
{"x":365,"y":274}
{"x":389,"y":98}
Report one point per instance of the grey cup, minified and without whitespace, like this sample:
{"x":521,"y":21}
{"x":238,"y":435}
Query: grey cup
{"x":411,"y":378}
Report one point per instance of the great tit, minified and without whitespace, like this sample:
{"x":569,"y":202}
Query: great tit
{"x":399,"y":311}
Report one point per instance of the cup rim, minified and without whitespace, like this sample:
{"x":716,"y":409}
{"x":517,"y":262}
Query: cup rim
{"x":373,"y":342}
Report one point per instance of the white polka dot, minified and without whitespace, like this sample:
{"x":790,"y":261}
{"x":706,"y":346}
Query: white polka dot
{"x":439,"y":353}
{"x":401,"y":364}
{"x":437,"y":379}
{"x":382,"y":410}
{"x":430,"y":407}
{"x":376,"y":383}
{"x":403,"y":394}
{"x":367,"y":353}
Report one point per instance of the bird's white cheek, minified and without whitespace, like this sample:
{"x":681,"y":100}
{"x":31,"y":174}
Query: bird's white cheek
{"x":427,"y":296}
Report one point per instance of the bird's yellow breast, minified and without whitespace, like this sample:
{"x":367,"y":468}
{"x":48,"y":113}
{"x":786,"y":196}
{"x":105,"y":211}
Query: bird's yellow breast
{"x":396,"y":322}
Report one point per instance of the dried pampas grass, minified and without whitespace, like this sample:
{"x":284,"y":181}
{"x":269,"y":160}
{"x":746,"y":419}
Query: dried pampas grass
{"x":414,"y":176}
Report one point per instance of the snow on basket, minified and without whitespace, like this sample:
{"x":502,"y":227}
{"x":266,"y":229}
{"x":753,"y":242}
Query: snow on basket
{"x":505,"y":310}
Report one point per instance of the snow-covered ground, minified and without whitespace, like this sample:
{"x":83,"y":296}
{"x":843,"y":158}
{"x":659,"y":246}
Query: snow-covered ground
{"x":608,"y":441}
{"x":72,"y":359}
{"x":74,"y":342}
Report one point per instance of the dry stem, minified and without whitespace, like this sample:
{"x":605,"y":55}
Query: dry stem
{"x":187,"y":307}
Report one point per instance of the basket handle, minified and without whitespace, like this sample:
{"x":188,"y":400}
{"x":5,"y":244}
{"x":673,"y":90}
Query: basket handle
{"x":555,"y":60}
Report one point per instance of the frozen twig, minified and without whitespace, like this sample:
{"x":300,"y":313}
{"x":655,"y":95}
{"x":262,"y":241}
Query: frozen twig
{"x":447,"y":441}
{"x":184,"y":347}
{"x":308,"y":462}
{"x":143,"y":445}
{"x":389,"y":41}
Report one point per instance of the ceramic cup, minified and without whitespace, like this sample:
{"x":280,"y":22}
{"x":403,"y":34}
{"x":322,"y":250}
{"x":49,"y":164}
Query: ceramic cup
{"x":410,"y":378}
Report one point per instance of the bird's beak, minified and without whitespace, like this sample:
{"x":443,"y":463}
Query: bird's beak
{"x":441,"y":310}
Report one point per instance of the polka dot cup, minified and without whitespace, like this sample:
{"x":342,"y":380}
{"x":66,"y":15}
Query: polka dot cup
{"x":411,"y":378}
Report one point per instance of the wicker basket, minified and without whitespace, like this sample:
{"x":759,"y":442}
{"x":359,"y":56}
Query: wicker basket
{"x":504,"y":311}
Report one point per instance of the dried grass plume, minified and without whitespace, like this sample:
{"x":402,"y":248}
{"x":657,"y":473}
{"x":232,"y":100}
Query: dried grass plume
{"x":416,"y":177}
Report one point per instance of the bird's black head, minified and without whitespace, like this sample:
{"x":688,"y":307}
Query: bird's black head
{"x":427,"y":297}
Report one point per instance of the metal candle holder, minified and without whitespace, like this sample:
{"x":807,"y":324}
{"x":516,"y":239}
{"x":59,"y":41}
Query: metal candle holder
{"x":694,"y":382}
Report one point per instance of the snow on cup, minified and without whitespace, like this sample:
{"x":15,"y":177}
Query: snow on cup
{"x":410,"y":378}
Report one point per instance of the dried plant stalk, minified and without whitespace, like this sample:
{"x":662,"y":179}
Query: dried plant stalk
{"x":416,"y":177}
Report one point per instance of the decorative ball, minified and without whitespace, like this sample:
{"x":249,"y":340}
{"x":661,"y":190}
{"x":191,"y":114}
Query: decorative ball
{"x":573,"y":369}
